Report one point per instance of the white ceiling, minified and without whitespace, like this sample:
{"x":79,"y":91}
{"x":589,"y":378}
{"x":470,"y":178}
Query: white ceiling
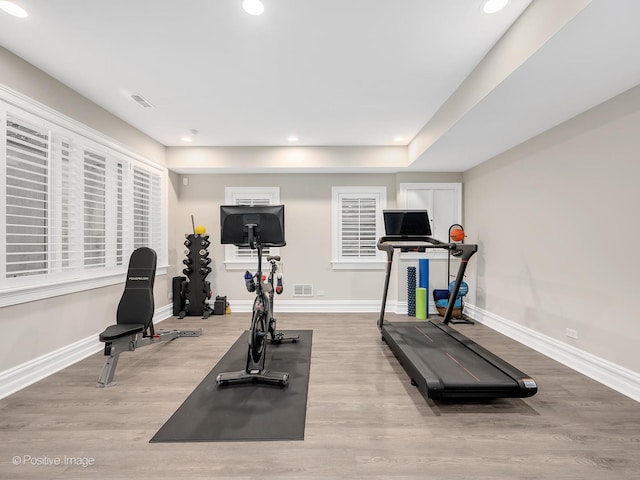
{"x":331,"y":72}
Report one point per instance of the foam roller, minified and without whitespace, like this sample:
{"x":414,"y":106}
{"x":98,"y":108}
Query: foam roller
{"x":421,"y":303}
{"x":411,"y":291}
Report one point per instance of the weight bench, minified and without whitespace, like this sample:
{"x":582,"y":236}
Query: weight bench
{"x":134,"y":327}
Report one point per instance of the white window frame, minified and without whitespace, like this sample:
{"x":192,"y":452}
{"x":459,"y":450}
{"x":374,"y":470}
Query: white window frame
{"x":76,"y":278}
{"x":232,"y":261}
{"x":339,"y":262}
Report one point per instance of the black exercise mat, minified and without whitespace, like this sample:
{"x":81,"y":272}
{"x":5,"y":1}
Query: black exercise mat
{"x":246,"y":412}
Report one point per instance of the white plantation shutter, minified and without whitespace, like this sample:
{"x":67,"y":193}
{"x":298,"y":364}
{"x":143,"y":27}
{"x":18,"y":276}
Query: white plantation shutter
{"x":358,"y":233}
{"x":27,"y":199}
{"x":356,"y":226}
{"x":141,"y":204}
{"x":95,"y":210}
{"x":146,"y":209}
{"x":66,"y":227}
{"x":74,"y":203}
{"x":119,"y":213}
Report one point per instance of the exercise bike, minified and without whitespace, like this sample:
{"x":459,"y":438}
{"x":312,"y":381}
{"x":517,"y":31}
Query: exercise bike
{"x":246,"y":226}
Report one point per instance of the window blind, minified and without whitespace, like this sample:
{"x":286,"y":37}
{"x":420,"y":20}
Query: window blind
{"x":358,"y":226}
{"x":146,"y":208}
{"x":95,"y":212}
{"x":27,"y":199}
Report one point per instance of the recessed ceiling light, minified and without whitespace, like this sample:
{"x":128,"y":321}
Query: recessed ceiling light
{"x":292,"y":138}
{"x":253,"y":7}
{"x":13,"y":9}
{"x":493,"y":6}
{"x":189,"y":137}
{"x":398,"y":139}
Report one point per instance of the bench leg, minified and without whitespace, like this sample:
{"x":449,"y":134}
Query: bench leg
{"x":115,"y":349}
{"x":129,"y":344}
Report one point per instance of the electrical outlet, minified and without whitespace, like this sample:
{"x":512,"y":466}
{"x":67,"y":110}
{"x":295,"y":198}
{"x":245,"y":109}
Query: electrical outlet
{"x":320,"y":293}
{"x":571,"y":333}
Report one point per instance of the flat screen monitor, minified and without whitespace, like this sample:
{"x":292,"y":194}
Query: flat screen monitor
{"x":403,"y":223}
{"x":268,"y":222}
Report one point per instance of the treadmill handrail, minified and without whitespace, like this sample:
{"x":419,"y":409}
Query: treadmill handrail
{"x":460,"y":250}
{"x":412,"y":241}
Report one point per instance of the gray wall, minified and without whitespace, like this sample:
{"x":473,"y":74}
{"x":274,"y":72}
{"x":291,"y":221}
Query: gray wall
{"x":307,"y":256}
{"x":36,"y":328}
{"x":556,"y":220}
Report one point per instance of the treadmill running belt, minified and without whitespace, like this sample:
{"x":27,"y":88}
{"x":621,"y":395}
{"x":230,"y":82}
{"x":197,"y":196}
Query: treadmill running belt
{"x":445,"y":364}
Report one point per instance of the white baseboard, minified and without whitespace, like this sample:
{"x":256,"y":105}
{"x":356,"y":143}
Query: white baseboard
{"x":330,"y":306}
{"x":614,"y":376}
{"x":316,"y":306}
{"x":30,"y":372}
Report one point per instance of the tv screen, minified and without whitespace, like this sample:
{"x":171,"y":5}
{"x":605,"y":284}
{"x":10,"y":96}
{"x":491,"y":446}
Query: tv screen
{"x":406,"y":223}
{"x":268,"y":221}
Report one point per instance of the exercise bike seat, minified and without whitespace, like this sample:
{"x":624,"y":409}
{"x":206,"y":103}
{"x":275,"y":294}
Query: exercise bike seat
{"x":136,"y":307}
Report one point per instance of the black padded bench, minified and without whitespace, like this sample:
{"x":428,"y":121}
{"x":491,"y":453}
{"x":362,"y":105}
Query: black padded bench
{"x":134,"y":317}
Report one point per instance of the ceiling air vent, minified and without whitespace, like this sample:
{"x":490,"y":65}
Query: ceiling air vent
{"x":140,"y":100}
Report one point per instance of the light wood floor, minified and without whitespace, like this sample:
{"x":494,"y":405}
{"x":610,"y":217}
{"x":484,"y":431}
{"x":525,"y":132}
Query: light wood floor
{"x":364,"y":419}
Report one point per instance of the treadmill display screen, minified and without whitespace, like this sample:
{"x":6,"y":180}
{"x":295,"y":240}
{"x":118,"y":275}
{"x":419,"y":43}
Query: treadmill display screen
{"x":402,"y":223}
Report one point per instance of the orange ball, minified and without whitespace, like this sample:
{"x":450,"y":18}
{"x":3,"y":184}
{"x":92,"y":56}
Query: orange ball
{"x":457,"y":235}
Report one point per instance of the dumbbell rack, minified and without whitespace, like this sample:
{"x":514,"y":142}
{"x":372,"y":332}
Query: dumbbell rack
{"x":196,"y":290}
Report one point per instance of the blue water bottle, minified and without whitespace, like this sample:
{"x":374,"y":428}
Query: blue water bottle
{"x":248,"y":280}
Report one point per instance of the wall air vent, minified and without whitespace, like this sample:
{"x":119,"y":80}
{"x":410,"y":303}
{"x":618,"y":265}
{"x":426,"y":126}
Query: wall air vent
{"x":140,"y":100}
{"x":302,"y":290}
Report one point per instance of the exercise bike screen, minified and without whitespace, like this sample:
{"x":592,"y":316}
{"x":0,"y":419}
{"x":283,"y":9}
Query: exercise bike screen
{"x":267,"y":219}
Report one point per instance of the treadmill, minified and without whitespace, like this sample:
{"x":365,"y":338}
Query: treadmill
{"x":441,"y":362}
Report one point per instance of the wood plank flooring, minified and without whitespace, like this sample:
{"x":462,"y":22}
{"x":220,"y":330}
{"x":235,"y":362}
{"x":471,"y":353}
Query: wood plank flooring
{"x":364,"y":419}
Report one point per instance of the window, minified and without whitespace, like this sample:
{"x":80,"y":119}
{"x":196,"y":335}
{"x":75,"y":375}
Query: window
{"x":95,"y":213}
{"x":238,"y":258}
{"x":65,"y":210}
{"x":146,"y":214}
{"x":357,"y":225}
{"x":75,"y":204}
{"x":27,"y":199}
